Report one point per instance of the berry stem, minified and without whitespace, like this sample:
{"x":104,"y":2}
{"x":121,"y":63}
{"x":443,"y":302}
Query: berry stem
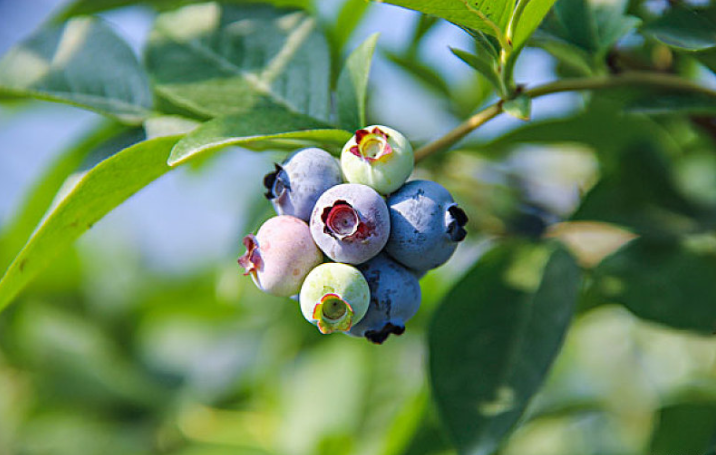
{"x":638,"y":78}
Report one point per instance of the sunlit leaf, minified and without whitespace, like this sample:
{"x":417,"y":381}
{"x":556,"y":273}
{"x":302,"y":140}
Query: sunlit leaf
{"x":468,"y":13}
{"x":532,"y":16}
{"x":276,"y":128}
{"x":494,"y":338}
{"x":82,"y":7}
{"x":353,"y":85}
{"x":218,"y":60}
{"x":94,"y":195}
{"x":82,"y":63}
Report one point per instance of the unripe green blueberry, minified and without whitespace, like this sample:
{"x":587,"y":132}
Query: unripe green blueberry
{"x":280,"y":255}
{"x":379,"y":157}
{"x":334,"y":296}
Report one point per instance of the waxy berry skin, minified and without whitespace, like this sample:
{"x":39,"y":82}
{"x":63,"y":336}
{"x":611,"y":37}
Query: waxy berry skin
{"x":379,"y":157}
{"x":394,"y":299}
{"x":296,"y":184}
{"x":350,"y":223}
{"x":280,"y":255}
{"x":334,"y":297}
{"x":426,"y":225}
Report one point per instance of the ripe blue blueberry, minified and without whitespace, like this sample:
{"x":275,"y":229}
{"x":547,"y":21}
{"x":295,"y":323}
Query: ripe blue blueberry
{"x":394,"y":299}
{"x":426,"y":225}
{"x":334,"y":297}
{"x":280,"y":255}
{"x":295,"y":186}
{"x":350,"y":223}
{"x":379,"y":157}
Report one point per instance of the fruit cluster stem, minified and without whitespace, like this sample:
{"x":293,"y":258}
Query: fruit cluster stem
{"x":638,"y":78}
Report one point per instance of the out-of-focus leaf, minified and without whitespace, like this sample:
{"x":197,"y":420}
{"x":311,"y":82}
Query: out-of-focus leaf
{"x":458,"y":11}
{"x":573,"y":56}
{"x":484,"y":65}
{"x":674,"y":104}
{"x":218,"y":60}
{"x":353,"y":85}
{"x":519,"y":107}
{"x":84,"y":7}
{"x":16,"y":233}
{"x":602,"y":127}
{"x":685,"y":29}
{"x":263,"y":127}
{"x":94,"y":195}
{"x":534,"y":13}
{"x":348,"y":19}
{"x":639,"y":193}
{"x":661,"y":281}
{"x":82,"y":63}
{"x":685,"y":428}
{"x":581,"y":32}
{"x":423,"y":73}
{"x":493,"y":339}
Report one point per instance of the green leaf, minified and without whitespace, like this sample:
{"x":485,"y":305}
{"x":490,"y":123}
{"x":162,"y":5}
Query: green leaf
{"x":263,"y":127}
{"x":349,"y":17}
{"x":519,"y":107}
{"x":685,"y":428}
{"x":639,"y":192}
{"x":591,"y":26}
{"x":353,"y":85}
{"x":94,"y":195}
{"x":82,"y":63}
{"x":85,"y":7}
{"x":37,"y":201}
{"x":423,"y":73}
{"x":662,"y":281}
{"x":602,"y":126}
{"x":685,"y":29}
{"x":458,"y":12}
{"x":534,"y":13}
{"x":482,"y":64}
{"x":674,"y":104}
{"x":218,"y":60}
{"x":494,"y":337}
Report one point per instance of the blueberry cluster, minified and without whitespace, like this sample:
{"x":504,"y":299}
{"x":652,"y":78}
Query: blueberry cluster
{"x":380,"y":234}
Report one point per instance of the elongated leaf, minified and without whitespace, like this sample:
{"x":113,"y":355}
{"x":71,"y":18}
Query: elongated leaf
{"x":353,"y":85}
{"x":685,"y":29}
{"x":36,"y":203}
{"x":458,"y":11}
{"x":483,"y":64}
{"x":95,"y":194}
{"x":218,"y":60}
{"x":265,"y":127}
{"x":82,"y":7}
{"x":494,"y":338}
{"x":534,"y":13}
{"x":423,"y":73}
{"x":665,"y":282}
{"x":82,"y":63}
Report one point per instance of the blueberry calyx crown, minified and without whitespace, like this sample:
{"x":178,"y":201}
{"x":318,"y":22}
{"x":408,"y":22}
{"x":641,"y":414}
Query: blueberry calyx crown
{"x":371,"y":145}
{"x":456,"y":219}
{"x":251,"y":260}
{"x":342,"y":221}
{"x":333,"y":314}
{"x":379,"y":336}
{"x":276,"y":183}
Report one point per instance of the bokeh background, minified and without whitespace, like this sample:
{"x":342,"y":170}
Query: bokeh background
{"x":145,"y":338}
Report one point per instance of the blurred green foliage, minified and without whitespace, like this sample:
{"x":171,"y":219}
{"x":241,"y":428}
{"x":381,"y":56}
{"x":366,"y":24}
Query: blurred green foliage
{"x":104,"y":354}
